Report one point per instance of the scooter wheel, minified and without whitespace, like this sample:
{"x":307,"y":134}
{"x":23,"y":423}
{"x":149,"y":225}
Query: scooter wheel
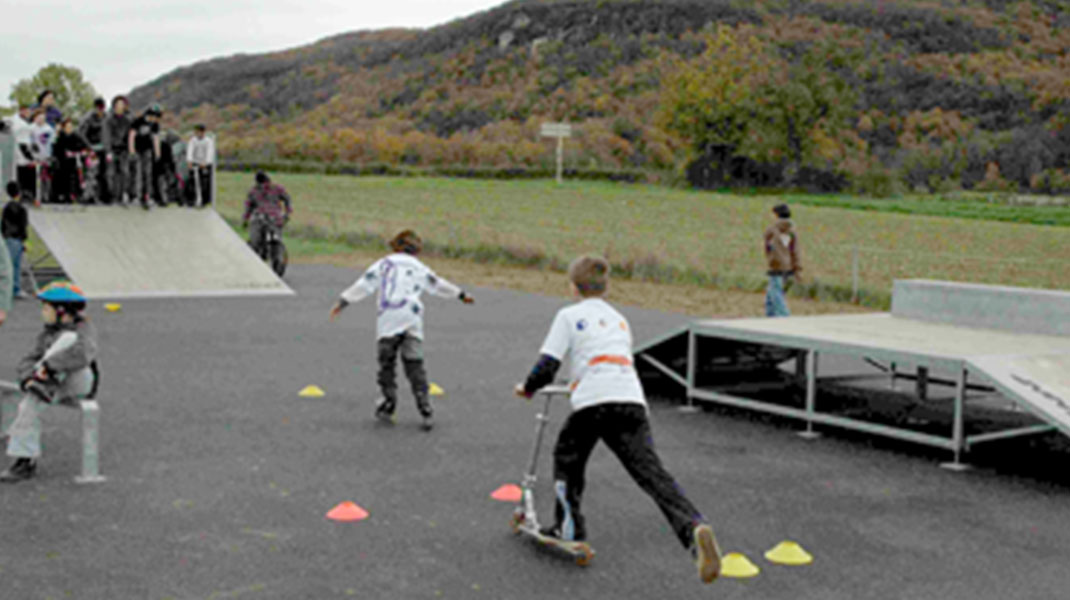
{"x":585,"y":557}
{"x":515,"y":521}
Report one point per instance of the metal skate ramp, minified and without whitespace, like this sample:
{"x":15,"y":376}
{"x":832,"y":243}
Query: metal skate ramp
{"x":118,"y":253}
{"x":1005,"y":374}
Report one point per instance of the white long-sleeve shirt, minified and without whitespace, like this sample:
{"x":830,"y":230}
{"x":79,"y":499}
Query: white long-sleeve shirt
{"x":200,"y":151}
{"x":398,"y":280}
{"x":23,"y":134}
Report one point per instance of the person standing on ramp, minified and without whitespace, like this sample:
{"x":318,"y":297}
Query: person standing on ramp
{"x":608,"y":404}
{"x":398,"y":280}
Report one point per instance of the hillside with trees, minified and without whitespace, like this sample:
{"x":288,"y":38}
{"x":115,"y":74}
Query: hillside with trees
{"x":874,"y":97}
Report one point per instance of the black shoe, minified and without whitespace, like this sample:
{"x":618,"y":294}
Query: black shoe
{"x":554,"y":531}
{"x":428,"y":424}
{"x":21,"y":470}
{"x":384,"y":411}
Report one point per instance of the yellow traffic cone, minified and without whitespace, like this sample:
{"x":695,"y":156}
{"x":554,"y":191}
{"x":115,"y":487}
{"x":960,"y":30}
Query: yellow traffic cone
{"x":736,"y":565}
{"x":312,"y":391}
{"x":789,"y":553}
{"x":434,"y":390}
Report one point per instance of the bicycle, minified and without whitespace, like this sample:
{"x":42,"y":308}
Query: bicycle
{"x":270,"y":247}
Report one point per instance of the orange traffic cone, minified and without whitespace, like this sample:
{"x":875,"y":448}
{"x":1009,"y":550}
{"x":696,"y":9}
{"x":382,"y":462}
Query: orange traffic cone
{"x":347,"y":511}
{"x":508,"y":493}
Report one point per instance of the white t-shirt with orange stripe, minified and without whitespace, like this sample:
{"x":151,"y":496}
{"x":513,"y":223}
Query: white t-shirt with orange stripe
{"x":598,"y":342}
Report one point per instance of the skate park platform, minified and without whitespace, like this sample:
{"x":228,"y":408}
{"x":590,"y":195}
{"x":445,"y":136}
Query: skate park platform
{"x":1003,"y":352}
{"x":117,"y":253}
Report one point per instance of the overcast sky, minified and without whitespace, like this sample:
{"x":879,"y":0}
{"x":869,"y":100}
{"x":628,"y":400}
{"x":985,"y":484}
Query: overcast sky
{"x":120,"y":44}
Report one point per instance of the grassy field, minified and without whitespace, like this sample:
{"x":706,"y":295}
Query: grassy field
{"x":665,"y":235}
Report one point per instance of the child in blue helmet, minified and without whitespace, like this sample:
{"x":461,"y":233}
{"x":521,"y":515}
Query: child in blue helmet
{"x":60,"y":369}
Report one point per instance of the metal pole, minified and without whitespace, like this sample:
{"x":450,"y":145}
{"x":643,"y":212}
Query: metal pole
{"x":854,"y":275}
{"x":560,"y":159}
{"x":958,"y":427}
{"x":90,"y":443}
{"x":692,"y":352}
{"x":811,"y":396}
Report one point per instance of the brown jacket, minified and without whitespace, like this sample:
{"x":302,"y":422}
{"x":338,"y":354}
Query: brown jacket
{"x":782,"y":253}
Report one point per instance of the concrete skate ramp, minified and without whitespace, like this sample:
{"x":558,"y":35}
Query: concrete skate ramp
{"x":117,"y":253}
{"x":1042,"y":382}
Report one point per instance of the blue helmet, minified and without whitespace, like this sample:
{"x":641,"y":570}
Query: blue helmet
{"x":62,"y":292}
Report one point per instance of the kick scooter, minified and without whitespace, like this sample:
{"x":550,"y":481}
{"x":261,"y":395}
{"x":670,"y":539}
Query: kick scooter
{"x":525,"y":521}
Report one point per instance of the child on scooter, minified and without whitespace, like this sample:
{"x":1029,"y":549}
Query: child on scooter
{"x":608,"y":404}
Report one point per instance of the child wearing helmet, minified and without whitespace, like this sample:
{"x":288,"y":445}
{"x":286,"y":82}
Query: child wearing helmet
{"x":60,"y":370}
{"x":399,"y":280}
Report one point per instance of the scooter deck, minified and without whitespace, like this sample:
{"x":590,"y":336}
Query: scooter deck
{"x":580,"y":551}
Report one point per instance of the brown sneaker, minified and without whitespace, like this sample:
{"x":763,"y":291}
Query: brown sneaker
{"x":707,"y":553}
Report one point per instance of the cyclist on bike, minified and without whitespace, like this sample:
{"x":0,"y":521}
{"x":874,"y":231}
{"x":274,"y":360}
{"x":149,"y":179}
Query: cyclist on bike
{"x":268,"y":204}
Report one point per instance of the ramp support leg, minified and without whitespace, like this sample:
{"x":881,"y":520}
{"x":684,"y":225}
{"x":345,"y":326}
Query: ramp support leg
{"x":811,"y":395}
{"x":90,"y":443}
{"x":692,"y":351}
{"x":894,"y":374}
{"x":921,"y":386}
{"x":958,"y":427}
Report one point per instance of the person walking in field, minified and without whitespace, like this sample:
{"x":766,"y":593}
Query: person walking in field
{"x":781,"y":246}
{"x":608,"y":404}
{"x":398,"y":280}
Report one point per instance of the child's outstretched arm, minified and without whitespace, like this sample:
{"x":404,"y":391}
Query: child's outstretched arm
{"x":444,"y":288}
{"x":542,"y":374}
{"x":554,"y":349}
{"x":362,"y":288}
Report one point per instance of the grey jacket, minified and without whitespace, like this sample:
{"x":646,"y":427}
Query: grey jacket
{"x":78,"y":356}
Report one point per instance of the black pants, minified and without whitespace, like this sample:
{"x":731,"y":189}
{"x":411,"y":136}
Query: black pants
{"x":27,"y":176}
{"x":411,"y":349}
{"x":204,"y":176}
{"x":626,"y":431}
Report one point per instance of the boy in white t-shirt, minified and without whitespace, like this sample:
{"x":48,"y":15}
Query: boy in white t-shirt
{"x":608,"y":404}
{"x":398,"y":280}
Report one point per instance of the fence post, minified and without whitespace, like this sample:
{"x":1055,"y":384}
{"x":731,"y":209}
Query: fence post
{"x":854,"y":274}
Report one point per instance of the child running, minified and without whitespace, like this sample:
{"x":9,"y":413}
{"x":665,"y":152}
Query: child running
{"x":60,"y":369}
{"x":608,"y":404}
{"x":398,"y":280}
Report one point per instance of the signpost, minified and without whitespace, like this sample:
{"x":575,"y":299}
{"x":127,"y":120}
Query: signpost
{"x":559,"y":131}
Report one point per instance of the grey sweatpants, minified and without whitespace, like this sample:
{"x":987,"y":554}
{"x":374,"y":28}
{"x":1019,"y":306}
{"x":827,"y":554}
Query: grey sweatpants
{"x":412,"y":357}
{"x":25,"y":430}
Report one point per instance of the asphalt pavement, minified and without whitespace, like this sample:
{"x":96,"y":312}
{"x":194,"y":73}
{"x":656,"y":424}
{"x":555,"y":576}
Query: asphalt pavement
{"x":220,"y":476}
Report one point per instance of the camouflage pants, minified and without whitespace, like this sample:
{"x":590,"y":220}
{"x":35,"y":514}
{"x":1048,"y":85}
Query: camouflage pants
{"x":412,"y":357}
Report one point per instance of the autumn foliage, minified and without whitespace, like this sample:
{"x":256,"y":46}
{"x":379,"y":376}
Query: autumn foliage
{"x":876,"y":97}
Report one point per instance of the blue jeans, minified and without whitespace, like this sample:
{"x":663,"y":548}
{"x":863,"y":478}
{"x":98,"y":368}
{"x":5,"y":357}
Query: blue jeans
{"x":14,"y":248}
{"x":775,"y":303}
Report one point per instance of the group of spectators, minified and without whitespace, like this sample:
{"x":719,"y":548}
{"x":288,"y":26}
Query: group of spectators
{"x":108,"y":156}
